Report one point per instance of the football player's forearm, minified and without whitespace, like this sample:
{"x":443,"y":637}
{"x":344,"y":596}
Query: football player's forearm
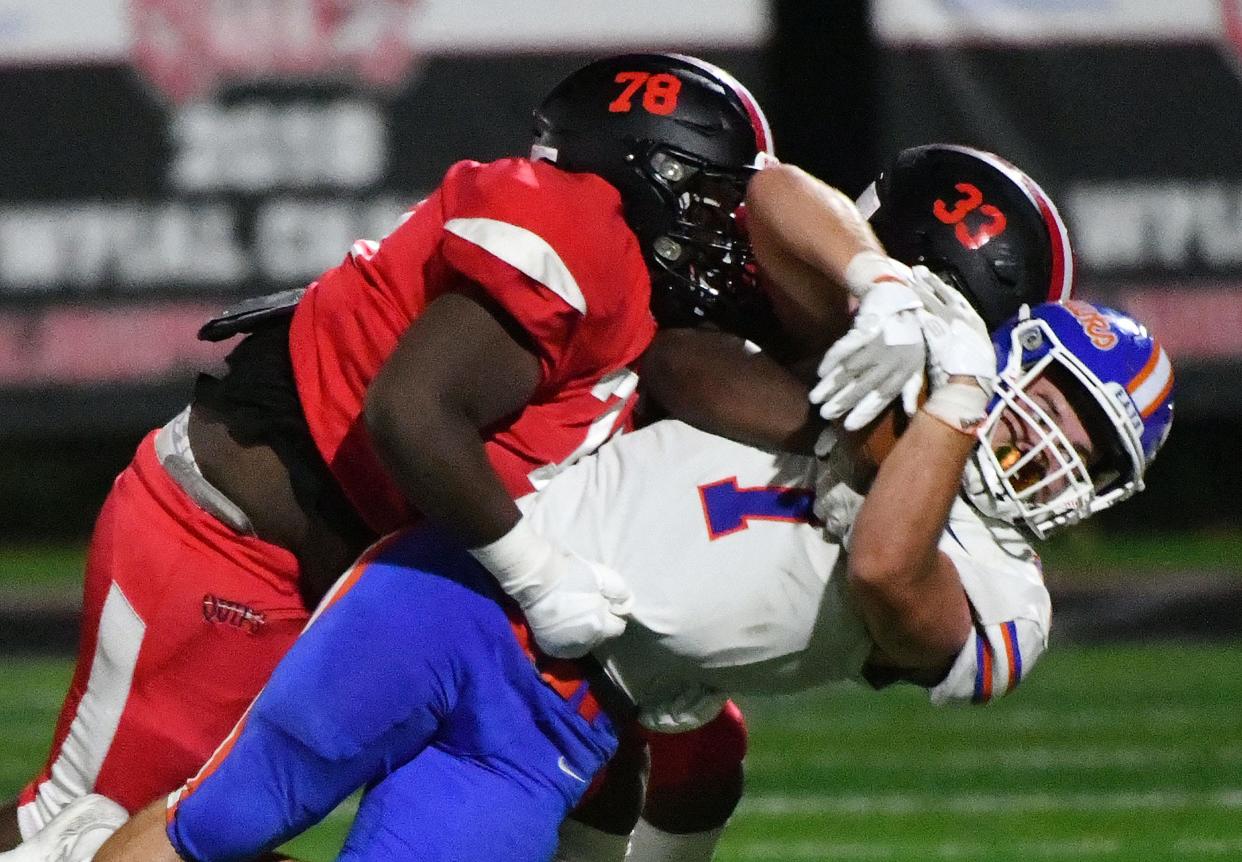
{"x":808,"y":220}
{"x":457,"y":370}
{"x":804,"y":234}
{"x":707,"y":379}
{"x":907,"y":590}
{"x":442,"y":468}
{"x":142,"y":839}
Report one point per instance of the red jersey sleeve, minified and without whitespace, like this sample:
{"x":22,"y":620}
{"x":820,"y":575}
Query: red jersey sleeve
{"x":550,"y":248}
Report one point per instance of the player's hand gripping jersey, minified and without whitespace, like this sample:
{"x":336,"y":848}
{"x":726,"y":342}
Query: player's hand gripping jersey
{"x":549,"y":248}
{"x":736,"y":589}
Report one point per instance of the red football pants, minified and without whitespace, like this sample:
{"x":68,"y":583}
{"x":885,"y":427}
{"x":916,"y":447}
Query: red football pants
{"x":183,"y":620}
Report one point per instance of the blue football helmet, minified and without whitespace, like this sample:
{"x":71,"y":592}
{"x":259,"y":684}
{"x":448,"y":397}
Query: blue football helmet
{"x":1119,"y":382}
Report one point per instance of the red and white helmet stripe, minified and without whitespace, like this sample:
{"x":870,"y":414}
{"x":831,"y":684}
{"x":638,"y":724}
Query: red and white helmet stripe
{"x":758,"y":121}
{"x":1061,"y":284}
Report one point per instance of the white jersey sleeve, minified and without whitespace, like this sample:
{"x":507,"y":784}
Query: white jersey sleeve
{"x":1009,"y":602}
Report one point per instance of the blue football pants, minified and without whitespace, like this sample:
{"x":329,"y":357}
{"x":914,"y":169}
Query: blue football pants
{"x":411,"y":683}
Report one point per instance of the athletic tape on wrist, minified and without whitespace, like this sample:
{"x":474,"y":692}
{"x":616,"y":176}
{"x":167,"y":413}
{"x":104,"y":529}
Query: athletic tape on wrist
{"x":517,"y":560}
{"x":869,"y":267}
{"x":961,"y":406}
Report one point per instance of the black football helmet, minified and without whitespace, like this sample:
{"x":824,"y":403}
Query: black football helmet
{"x":978,"y":222}
{"x":679,"y":138}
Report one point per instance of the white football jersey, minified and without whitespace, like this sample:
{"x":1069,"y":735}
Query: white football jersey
{"x":736,"y":590}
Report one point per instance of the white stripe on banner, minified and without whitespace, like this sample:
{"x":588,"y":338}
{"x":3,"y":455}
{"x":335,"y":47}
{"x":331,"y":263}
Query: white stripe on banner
{"x":68,"y":31}
{"x":602,"y":26}
{"x":92,"y":31}
{"x":525,"y":251}
{"x":1035,"y":22}
{"x":98,"y":714}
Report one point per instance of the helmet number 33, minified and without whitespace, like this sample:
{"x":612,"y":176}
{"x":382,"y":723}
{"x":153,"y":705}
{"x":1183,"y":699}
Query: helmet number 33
{"x":973,"y":200}
{"x":659,"y":92}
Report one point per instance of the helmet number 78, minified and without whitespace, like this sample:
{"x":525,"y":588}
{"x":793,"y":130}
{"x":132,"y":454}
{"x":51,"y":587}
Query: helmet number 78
{"x":659,"y":92}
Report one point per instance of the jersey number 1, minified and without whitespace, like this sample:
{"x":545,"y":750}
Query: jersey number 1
{"x":728,"y":508}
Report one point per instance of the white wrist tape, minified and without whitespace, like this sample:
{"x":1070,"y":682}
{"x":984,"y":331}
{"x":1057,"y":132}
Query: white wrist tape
{"x":518,"y":560}
{"x":961,"y":406}
{"x":868,"y":267}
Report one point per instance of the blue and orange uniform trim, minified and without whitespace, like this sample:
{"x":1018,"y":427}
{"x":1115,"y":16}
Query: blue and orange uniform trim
{"x":996,"y":650}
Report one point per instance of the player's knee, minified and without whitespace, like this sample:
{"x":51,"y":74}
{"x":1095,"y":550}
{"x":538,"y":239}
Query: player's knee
{"x":696,"y":777}
{"x":714,"y":750}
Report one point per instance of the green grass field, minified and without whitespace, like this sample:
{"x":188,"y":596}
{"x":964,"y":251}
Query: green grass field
{"x":1121,"y":753}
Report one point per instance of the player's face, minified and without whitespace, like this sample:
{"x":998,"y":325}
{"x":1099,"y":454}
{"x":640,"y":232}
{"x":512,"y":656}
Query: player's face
{"x":1014,"y":439}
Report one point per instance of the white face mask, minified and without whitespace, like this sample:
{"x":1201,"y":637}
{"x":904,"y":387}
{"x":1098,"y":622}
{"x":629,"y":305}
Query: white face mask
{"x":1039,"y":480}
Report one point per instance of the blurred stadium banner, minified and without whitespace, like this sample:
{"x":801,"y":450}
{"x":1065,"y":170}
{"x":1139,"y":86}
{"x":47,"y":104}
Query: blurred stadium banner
{"x":1130,"y":113}
{"x":161,"y":158}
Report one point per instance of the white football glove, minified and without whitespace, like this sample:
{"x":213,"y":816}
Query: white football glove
{"x":571,"y":604}
{"x":73,"y":835}
{"x":882,"y":356}
{"x":958,"y":345}
{"x":690,"y":709}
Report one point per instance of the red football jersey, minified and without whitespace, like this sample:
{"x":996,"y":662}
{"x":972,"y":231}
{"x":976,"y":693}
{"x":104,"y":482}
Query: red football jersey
{"x":552,"y":249}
